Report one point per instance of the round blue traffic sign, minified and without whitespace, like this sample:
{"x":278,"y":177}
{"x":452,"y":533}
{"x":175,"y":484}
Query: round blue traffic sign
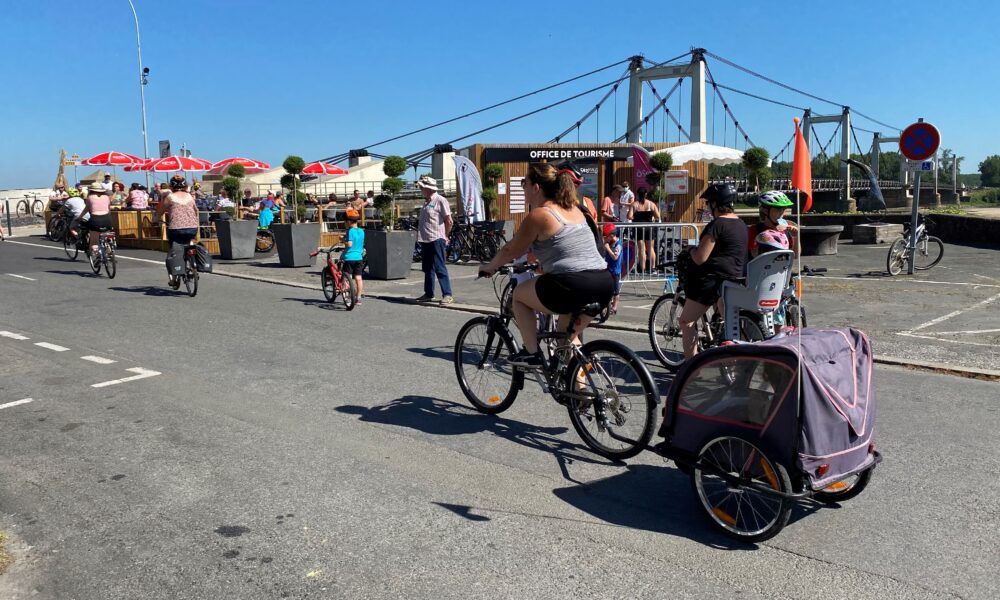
{"x":919,"y":141}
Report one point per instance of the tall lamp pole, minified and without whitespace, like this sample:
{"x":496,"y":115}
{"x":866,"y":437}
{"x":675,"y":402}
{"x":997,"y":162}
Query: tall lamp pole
{"x":143,"y":73}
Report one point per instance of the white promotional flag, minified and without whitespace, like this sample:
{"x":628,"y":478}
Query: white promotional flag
{"x":470,"y":188}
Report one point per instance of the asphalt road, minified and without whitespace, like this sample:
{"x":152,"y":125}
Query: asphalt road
{"x":285,"y":450}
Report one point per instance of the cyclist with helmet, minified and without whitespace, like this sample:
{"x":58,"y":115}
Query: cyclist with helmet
{"x":720,"y":256}
{"x":772,"y":232}
{"x":182,"y":218}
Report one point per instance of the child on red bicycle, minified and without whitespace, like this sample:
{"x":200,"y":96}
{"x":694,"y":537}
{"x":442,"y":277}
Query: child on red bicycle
{"x":354,"y":249}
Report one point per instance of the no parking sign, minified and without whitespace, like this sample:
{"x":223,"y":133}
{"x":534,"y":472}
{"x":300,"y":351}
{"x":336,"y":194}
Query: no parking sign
{"x":918,"y":142}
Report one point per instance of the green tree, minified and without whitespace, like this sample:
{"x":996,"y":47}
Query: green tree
{"x":989,"y":171}
{"x":293,"y":166}
{"x":755,"y":162}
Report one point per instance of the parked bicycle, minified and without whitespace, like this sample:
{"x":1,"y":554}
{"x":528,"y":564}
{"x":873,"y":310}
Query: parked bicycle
{"x":475,"y":241}
{"x":335,"y":281}
{"x":928,"y":252}
{"x":31,"y":205}
{"x":608,"y":392}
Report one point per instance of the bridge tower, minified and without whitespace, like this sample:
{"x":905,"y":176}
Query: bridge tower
{"x":844,"y":118}
{"x":695,"y":70}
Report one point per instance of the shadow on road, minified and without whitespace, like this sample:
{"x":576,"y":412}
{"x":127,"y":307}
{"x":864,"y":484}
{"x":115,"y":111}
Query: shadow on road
{"x":318,"y":303}
{"x":150,"y":290}
{"x":63,"y":259}
{"x":442,"y":417}
{"x":443,"y":352}
{"x":77,"y":273}
{"x":870,"y":275}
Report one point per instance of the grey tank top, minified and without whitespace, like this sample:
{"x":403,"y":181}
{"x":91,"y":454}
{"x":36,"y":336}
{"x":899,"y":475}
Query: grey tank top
{"x":570,"y":250}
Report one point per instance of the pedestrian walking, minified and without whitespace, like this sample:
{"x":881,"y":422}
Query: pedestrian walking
{"x":433,"y":230}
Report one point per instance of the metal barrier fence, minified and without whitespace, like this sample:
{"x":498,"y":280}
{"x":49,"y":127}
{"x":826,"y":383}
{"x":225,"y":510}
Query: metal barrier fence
{"x":646,"y":246}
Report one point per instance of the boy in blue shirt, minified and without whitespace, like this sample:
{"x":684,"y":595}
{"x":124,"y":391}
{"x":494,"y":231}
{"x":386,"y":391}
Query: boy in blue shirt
{"x":613,"y":250}
{"x":354,"y":247}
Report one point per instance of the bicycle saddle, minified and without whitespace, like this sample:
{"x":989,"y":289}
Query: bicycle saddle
{"x":591,"y":310}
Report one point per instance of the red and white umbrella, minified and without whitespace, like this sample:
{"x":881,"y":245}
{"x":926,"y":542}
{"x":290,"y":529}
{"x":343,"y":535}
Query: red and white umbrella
{"x":250,"y":165}
{"x":138,"y":166}
{"x":177,"y":163}
{"x":113,"y":159}
{"x":322,"y":168}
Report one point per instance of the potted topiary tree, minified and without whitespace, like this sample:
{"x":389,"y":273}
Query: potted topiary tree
{"x":295,"y":241}
{"x":662,"y":163}
{"x":390,"y":253}
{"x":236,"y":238}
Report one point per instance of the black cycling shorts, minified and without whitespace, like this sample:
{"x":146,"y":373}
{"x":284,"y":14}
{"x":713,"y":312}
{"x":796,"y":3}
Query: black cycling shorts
{"x":563,"y":293}
{"x":100,"y":223}
{"x":353,"y":267}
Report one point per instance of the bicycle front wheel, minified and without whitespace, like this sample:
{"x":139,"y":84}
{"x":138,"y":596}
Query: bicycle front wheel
{"x":71,"y":246}
{"x":929,"y":252}
{"x":611,"y":399}
{"x":665,"y":331}
{"x":896,"y":258}
{"x":348,"y":291}
{"x":481,"y":358}
{"x":326,"y":280}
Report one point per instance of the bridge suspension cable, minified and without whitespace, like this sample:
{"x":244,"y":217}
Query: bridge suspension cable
{"x":653,"y":63}
{"x":646,"y":118}
{"x":581,"y":120}
{"x":725,"y":105}
{"x":663,"y":102}
{"x":794,"y":89}
{"x":492,"y":106}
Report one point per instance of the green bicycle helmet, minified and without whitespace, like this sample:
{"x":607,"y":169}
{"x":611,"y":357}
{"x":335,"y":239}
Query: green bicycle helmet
{"x":774,"y":199}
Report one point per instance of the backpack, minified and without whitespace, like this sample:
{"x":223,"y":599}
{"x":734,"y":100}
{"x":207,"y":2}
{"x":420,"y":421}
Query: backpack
{"x":598,"y":238}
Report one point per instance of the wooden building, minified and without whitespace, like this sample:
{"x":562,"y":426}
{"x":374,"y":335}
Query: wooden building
{"x":604,"y":165}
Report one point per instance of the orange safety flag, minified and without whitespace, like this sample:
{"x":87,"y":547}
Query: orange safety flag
{"x":802,"y":168}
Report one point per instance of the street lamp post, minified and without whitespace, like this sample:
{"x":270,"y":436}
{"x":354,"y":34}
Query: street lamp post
{"x":143,"y":74}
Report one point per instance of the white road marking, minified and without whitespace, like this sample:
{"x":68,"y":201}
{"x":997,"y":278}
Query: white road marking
{"x":59,"y":248}
{"x":15,"y":403}
{"x":13,"y":336}
{"x":21,"y":276}
{"x":53,"y":347}
{"x":141,"y":374}
{"x":98,"y":359}
{"x":955,"y":313}
{"x":937,"y":339}
{"x":971,"y":331}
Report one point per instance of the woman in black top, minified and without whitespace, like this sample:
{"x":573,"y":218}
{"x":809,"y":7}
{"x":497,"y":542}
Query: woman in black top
{"x":720,"y":255}
{"x":644,"y":210}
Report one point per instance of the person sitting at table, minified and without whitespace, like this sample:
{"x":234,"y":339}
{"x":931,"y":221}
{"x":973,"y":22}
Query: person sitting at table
{"x":248,"y":200}
{"x":223,"y":200}
{"x":137,"y":198}
{"x":58,"y":196}
{"x":356,"y":202}
{"x":117,"y":195}
{"x":331,"y":201}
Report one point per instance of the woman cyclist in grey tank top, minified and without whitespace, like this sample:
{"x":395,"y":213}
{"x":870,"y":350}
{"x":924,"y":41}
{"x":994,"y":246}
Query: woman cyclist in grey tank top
{"x":575,"y":273}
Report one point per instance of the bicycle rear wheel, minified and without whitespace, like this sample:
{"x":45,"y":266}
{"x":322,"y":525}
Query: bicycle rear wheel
{"x":95,"y":261}
{"x":265,"y":241}
{"x":612,"y":399}
{"x":481,"y":364}
{"x":22,"y":208}
{"x":929,"y":252}
{"x":795,"y":314}
{"x":896,"y":258}
{"x":191,"y":278}
{"x":110,"y":263}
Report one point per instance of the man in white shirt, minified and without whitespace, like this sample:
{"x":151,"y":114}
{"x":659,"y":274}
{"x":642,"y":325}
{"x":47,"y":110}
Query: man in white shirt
{"x":108,"y":183}
{"x":625,"y":199}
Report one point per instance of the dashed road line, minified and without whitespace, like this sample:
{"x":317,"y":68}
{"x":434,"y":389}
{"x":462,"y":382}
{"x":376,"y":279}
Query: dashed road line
{"x":53,"y":347}
{"x":13,"y":336}
{"x":15,"y":403}
{"x":21,"y":276}
{"x":140,"y":374}
{"x":99,"y":360}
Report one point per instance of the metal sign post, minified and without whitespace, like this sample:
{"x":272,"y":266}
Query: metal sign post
{"x":918,"y":142}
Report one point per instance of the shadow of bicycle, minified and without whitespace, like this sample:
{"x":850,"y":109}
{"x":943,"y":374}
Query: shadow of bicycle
{"x":442,"y":417}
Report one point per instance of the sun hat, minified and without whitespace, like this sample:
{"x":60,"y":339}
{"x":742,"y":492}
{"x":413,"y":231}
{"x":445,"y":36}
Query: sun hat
{"x":427,"y":182}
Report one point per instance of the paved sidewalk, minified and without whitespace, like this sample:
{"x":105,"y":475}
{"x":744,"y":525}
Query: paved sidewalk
{"x":946,"y":315}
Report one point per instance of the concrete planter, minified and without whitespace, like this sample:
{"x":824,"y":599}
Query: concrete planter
{"x":295,"y":243}
{"x":236,"y":238}
{"x":389,"y":253}
{"x":820,"y":240}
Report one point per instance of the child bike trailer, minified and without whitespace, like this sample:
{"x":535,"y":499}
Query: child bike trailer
{"x":756,"y":438}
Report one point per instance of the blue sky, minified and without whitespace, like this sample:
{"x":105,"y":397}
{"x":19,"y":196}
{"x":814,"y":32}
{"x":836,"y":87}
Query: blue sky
{"x":267,"y":79}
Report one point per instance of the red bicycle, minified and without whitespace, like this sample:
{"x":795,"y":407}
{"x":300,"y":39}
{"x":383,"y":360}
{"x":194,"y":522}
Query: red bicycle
{"x":336,"y":282}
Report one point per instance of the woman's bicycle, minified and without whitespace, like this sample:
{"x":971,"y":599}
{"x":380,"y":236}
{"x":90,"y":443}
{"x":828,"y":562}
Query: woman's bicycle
{"x":105,"y":256}
{"x":191,"y":275}
{"x":335,"y":282}
{"x":928,"y":252}
{"x":609,"y":394}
